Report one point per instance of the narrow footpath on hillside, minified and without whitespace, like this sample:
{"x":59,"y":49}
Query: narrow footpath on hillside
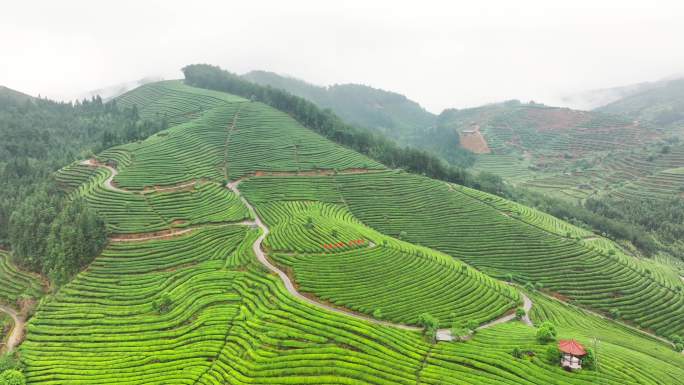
{"x":165,"y":234}
{"x":17,"y":332}
{"x":112,"y":173}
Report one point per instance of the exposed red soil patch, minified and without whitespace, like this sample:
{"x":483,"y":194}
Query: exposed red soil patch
{"x":560,"y":296}
{"x":473,"y":141}
{"x":551,"y":119}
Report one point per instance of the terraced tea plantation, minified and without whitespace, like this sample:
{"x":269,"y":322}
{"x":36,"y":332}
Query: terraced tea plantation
{"x":16,"y":283}
{"x":386,"y":277}
{"x":500,"y":238}
{"x":573,"y":154}
{"x":185,"y":291}
{"x":226,"y":140}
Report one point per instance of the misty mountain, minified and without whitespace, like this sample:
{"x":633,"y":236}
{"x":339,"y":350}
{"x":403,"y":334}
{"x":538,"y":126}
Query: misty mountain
{"x":660,"y":103}
{"x":112,"y":91}
{"x":591,"y":99}
{"x":8,"y":94}
{"x":391,"y":113}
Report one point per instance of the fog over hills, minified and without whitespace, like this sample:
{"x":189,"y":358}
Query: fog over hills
{"x":442,"y":55}
{"x":590,"y":99}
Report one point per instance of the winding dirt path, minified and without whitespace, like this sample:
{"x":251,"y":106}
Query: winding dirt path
{"x":527,"y":306}
{"x":112,"y":173}
{"x":442,"y":334}
{"x":17,"y":332}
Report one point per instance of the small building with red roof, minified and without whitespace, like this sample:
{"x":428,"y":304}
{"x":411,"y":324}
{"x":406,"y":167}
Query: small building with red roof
{"x":572,"y":352}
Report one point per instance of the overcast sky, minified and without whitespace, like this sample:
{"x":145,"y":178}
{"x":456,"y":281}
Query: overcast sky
{"x":441,"y":54}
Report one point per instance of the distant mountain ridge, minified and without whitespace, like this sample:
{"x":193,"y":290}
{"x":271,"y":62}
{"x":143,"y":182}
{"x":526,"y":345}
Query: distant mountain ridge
{"x":597,"y":98}
{"x":391,"y":113}
{"x":8,"y":93}
{"x":110,"y":92}
{"x":660,"y":103}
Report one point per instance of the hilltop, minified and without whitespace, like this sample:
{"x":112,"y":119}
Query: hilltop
{"x":114,"y":90}
{"x":246,"y":247}
{"x":592,"y":99}
{"x":10,"y":95}
{"x":390,"y":113}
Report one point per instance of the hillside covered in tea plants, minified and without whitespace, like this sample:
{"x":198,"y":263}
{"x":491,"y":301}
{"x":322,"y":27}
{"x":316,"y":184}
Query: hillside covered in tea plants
{"x":244,"y":247}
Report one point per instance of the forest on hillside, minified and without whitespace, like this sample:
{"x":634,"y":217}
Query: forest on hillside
{"x":48,"y":232}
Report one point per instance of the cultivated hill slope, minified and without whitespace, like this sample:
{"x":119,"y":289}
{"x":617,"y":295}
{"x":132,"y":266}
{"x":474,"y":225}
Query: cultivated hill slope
{"x":553,"y":149}
{"x":546,"y":132}
{"x":179,"y":296}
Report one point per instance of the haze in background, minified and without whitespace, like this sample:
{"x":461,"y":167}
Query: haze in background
{"x":441,"y":54}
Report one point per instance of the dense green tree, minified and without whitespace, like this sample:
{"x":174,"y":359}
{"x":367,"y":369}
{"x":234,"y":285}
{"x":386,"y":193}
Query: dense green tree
{"x":428,"y":321}
{"x":77,"y":235}
{"x":30,"y":227}
{"x":472,"y":325}
{"x":650,"y":225}
{"x":40,"y":136}
{"x":589,"y":360}
{"x":546,"y":332}
{"x":53,"y":238}
{"x":459,"y":332}
{"x":519,"y":313}
{"x":12,"y":377}
{"x":553,"y":355}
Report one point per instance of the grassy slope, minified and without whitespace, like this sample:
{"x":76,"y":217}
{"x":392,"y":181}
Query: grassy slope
{"x":230,"y":322}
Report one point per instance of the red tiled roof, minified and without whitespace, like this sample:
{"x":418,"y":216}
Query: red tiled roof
{"x":571,"y":347}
